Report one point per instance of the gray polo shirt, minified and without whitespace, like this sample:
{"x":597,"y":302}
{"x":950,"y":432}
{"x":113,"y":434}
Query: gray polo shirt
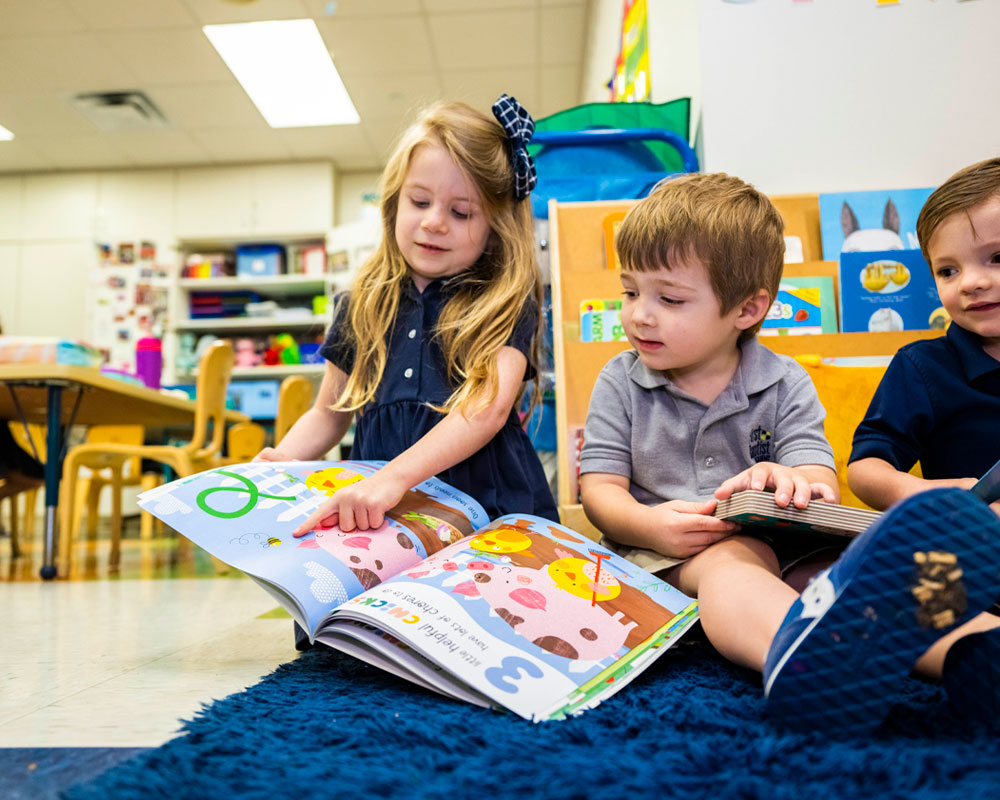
{"x":672,"y":446}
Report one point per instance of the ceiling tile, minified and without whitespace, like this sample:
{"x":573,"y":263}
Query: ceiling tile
{"x":160,"y":148}
{"x":42,"y":114}
{"x":215,"y":12}
{"x":438,"y":6}
{"x":392,"y":96}
{"x":168,"y":57}
{"x":491,"y":39}
{"x":77,"y":62}
{"x":80,"y":152}
{"x":118,"y":14}
{"x":384,"y":135}
{"x":481,"y":88}
{"x":242,"y":144}
{"x":216,"y":105}
{"x":563,"y":30}
{"x":18,"y":156}
{"x":363,"y":8}
{"x":346,"y":145}
{"x":22,"y":18}
{"x":378,"y":46}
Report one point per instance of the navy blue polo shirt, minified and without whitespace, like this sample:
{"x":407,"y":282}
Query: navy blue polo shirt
{"x":505,"y":476}
{"x":939,"y":404}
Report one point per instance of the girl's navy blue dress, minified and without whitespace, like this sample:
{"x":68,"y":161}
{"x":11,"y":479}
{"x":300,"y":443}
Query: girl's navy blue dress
{"x":505,"y":476}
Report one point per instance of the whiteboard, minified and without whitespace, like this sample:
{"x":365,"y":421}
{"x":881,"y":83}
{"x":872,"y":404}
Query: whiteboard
{"x":841,"y":95}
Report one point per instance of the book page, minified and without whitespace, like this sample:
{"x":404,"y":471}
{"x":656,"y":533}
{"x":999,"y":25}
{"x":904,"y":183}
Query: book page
{"x":537,"y":618}
{"x":244,"y":515}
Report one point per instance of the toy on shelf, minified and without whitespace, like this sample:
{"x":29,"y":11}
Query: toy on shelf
{"x":246,"y":353}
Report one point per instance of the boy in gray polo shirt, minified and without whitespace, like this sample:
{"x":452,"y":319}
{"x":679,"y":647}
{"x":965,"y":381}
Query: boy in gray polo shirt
{"x":699,"y":409}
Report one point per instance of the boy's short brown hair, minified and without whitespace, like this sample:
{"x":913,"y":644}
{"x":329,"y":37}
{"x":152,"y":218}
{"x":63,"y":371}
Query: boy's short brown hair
{"x":733,"y":229}
{"x":963,"y":191}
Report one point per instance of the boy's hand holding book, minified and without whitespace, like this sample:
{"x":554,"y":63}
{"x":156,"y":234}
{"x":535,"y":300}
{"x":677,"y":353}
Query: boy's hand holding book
{"x":794,"y":485}
{"x":685,"y":528}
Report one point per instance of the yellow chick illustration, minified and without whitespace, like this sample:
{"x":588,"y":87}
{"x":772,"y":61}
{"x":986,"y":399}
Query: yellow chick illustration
{"x":900,"y":275}
{"x":576,"y":576}
{"x":873,"y":278}
{"x":501,"y":540}
{"x":331,"y":479}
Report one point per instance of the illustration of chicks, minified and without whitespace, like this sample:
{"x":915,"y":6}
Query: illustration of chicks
{"x":579,"y":577}
{"x":331,"y":479}
{"x":501,"y":540}
{"x":900,"y":275}
{"x":873,"y":278}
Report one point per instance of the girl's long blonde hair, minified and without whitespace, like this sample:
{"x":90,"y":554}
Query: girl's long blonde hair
{"x":479,"y":318}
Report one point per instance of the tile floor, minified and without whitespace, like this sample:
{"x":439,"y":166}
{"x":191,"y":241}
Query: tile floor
{"x":115,"y":659}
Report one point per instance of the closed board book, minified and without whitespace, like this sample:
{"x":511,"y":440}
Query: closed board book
{"x":519,"y":613}
{"x":758,"y":509}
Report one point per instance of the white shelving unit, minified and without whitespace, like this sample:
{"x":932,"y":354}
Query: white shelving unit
{"x":290,"y":291}
{"x":349,"y":244}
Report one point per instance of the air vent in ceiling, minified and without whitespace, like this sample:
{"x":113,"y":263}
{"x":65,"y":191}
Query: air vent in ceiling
{"x":120,"y":111}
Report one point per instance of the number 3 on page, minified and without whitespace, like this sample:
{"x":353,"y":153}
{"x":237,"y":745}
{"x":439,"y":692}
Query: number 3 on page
{"x":503,"y":677}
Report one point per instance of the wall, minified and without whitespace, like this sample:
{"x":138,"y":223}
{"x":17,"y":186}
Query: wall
{"x":675,"y":61}
{"x":352,"y":187}
{"x":846,"y":95}
{"x":50,"y":223}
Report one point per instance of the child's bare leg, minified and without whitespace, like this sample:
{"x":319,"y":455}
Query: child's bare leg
{"x":930,"y":664}
{"x":741,"y":598}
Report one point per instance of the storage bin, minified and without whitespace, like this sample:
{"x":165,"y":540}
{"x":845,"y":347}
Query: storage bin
{"x":257,"y":260}
{"x":256,"y":399}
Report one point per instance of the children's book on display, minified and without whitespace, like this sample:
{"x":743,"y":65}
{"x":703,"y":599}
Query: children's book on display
{"x":758,"y":509}
{"x":518,"y":613}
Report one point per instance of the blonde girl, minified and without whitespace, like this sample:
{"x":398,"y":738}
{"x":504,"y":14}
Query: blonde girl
{"x":430,"y":350}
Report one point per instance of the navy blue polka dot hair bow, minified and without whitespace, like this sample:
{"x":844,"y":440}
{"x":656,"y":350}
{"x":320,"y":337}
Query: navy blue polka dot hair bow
{"x":519,"y":127}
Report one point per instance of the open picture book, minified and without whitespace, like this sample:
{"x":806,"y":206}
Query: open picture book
{"x":519,"y":613}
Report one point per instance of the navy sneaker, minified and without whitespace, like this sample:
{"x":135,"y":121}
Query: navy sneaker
{"x":971,"y":677}
{"x":929,"y":563}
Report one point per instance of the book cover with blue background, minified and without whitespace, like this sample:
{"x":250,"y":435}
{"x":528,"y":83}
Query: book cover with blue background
{"x":853,"y":222}
{"x":892,"y":290}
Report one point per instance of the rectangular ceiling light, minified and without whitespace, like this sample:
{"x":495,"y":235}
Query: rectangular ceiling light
{"x":5,"y":135}
{"x":286,"y":69}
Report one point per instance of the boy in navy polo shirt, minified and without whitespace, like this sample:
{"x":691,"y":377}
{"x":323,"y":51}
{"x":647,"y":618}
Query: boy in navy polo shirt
{"x":939,"y":402}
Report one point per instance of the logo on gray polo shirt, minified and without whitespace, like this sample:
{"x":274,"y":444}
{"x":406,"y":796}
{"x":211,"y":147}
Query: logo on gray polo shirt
{"x":760,"y":445}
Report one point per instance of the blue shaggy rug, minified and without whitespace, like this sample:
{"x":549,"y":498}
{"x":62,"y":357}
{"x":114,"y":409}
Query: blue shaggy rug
{"x":692,"y":726}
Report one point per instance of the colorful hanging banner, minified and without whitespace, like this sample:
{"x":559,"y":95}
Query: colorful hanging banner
{"x":631,"y":81}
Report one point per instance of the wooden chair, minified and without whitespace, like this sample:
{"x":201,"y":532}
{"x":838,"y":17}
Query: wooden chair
{"x":243,"y":441}
{"x":246,"y":439}
{"x":295,"y":398}
{"x":198,"y":454}
{"x":35,"y":434}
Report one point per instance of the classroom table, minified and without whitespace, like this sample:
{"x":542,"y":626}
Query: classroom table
{"x":59,"y":396}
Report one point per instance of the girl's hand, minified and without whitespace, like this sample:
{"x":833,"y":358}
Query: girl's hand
{"x":687,"y":528}
{"x":790,"y":485}
{"x":360,"y":505}
{"x":270,"y":454}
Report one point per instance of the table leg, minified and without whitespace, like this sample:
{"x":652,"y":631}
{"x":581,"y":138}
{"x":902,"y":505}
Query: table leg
{"x":53,"y":470}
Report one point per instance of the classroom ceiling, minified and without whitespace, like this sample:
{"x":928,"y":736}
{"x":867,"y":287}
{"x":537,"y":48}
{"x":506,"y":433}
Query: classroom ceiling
{"x":394,"y":56}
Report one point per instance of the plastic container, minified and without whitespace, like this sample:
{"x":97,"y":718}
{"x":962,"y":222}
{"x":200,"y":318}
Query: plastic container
{"x":149,"y":361}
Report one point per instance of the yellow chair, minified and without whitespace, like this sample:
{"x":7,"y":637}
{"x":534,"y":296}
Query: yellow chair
{"x":34,"y":435}
{"x":198,"y":454}
{"x":295,"y":398}
{"x":243,"y":441}
{"x":246,"y":439}
{"x":845,"y":393}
